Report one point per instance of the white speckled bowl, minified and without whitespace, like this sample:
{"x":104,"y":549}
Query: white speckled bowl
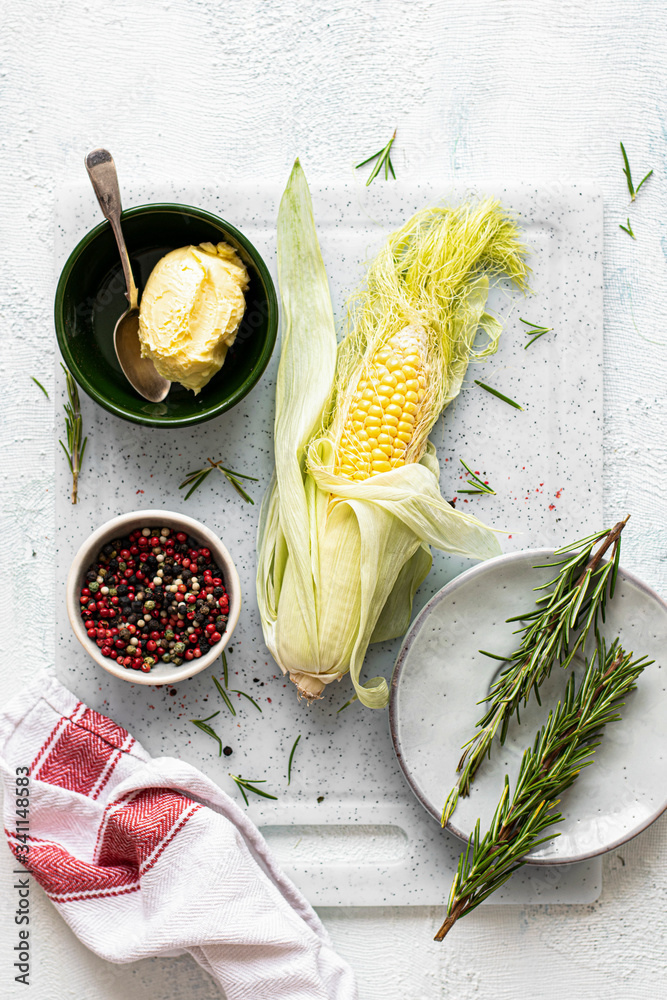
{"x":163,"y":673}
{"x":441,"y":677}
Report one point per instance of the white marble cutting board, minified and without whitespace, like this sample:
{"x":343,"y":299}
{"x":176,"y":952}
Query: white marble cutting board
{"x":367,"y":841}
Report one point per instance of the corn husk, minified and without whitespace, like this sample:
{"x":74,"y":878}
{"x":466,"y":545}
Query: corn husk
{"x":340,"y":559}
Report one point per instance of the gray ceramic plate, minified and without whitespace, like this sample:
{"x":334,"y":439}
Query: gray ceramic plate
{"x":440,"y":676}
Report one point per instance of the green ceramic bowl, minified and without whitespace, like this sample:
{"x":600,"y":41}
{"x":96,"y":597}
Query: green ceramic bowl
{"x":91,"y":296}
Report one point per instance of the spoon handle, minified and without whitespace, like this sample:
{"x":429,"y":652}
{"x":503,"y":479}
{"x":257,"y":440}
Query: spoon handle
{"x":102,"y":172}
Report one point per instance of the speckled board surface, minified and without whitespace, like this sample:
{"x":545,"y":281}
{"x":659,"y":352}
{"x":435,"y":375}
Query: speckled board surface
{"x":544,"y":462}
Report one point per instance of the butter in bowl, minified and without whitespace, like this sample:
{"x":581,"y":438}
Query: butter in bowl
{"x":191,"y":310}
{"x":208,"y":313}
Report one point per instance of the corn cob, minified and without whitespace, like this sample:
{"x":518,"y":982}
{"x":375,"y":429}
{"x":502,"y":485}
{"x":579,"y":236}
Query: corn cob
{"x":346,"y":526}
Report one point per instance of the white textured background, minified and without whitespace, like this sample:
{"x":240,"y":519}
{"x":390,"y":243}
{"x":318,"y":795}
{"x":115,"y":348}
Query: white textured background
{"x":507,"y":89}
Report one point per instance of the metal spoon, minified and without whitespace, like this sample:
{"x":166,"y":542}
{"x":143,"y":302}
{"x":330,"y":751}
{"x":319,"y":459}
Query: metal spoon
{"x":140,"y":372}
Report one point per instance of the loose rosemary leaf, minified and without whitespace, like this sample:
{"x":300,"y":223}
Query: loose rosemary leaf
{"x":205,"y":728}
{"x":628,"y":176}
{"x":479,"y":484}
{"x":40,"y":386}
{"x":494,"y":392}
{"x":249,"y":785}
{"x":535,"y":331}
{"x":195,"y":479}
{"x":628,"y":229}
{"x":225,"y":697}
{"x":384,"y":160}
{"x":291,"y":758}
{"x":244,"y":695}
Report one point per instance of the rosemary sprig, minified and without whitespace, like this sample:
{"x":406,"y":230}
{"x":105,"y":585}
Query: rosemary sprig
{"x":225,"y":671}
{"x":562,"y":747}
{"x":195,"y":479}
{"x":384,"y":159}
{"x":75,"y":449}
{"x":248,"y":785}
{"x":479,"y":484}
{"x":225,"y":697}
{"x":40,"y":386}
{"x":244,"y":695}
{"x":571,"y":608}
{"x":291,"y":758}
{"x":634,"y":191}
{"x":628,"y":229}
{"x":494,"y":392}
{"x":535,"y":332}
{"x":209,"y":730}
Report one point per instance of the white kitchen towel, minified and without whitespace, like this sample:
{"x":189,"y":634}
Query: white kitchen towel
{"x":145,"y":856}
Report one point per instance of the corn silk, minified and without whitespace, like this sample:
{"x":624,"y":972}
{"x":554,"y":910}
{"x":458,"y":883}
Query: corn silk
{"x":354,"y":503}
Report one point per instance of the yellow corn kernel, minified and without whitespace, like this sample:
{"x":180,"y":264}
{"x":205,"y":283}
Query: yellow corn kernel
{"x":385,"y":407}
